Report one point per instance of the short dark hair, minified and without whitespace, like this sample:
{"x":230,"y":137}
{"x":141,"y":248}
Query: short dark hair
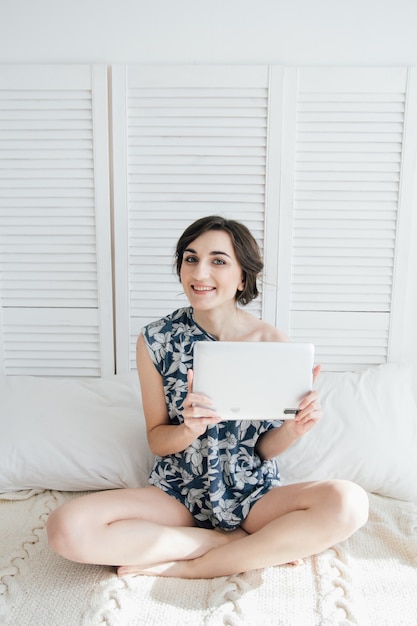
{"x":244,"y":244}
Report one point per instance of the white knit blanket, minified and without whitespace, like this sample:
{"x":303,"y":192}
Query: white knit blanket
{"x":371,"y":579}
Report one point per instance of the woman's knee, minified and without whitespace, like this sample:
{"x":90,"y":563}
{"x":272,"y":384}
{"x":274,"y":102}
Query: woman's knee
{"x":66,"y":531}
{"x":349,"y":503}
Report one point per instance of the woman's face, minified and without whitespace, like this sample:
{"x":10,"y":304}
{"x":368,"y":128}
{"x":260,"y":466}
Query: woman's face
{"x":210,"y":272}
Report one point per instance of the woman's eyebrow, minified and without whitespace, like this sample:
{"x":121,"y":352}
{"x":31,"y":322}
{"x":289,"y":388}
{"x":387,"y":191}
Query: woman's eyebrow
{"x":214,"y":253}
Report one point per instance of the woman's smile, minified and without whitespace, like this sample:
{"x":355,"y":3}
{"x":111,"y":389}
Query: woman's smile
{"x":202,"y":289}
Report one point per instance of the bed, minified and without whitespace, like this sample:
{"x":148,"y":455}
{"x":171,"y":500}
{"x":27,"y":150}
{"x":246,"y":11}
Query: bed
{"x":63,"y":437}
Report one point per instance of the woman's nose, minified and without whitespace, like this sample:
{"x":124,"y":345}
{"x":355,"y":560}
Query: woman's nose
{"x":201,"y":270}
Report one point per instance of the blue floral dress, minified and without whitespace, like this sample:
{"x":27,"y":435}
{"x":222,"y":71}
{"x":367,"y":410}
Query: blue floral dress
{"x":219,"y":476}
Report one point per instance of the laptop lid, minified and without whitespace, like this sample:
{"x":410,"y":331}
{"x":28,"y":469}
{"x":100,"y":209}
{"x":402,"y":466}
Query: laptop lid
{"x":253,"y":380}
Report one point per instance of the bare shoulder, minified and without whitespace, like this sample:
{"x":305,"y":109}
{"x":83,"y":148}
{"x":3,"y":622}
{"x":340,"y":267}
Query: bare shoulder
{"x":259,"y":330}
{"x":271,"y":333}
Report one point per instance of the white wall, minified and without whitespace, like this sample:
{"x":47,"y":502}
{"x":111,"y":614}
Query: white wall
{"x":335,"y":32}
{"x":288,"y":32}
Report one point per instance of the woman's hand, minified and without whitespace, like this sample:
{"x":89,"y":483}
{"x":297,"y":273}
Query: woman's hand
{"x":196,"y":410}
{"x":309,"y":411}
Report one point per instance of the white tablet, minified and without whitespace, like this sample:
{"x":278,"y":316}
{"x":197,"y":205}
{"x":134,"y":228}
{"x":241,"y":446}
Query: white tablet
{"x":253,"y":380}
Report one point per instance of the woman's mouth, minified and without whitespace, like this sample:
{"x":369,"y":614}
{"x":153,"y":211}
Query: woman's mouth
{"x":202,"y":289}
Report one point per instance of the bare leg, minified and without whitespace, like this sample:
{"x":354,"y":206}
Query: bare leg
{"x":129,"y":526}
{"x":287,"y":524}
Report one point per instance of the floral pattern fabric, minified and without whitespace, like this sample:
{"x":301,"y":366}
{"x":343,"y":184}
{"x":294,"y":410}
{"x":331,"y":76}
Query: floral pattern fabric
{"x":220,"y":475}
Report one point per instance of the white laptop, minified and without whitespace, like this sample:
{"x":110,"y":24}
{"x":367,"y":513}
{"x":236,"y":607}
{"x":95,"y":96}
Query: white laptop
{"x":253,"y":380}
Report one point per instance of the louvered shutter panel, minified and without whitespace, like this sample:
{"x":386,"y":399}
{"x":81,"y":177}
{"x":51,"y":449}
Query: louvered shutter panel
{"x":55,"y":264}
{"x":347,"y":138}
{"x":188,"y":142}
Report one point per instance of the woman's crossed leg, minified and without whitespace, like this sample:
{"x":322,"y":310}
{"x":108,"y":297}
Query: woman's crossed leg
{"x":147,"y":532}
{"x":130,"y":527}
{"x":287,"y":524}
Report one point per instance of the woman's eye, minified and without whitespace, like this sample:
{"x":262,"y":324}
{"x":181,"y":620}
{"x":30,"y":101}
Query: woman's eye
{"x":190,"y":259}
{"x":219,"y":262}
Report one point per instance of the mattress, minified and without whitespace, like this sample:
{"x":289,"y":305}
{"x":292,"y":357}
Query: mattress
{"x":370,"y":579}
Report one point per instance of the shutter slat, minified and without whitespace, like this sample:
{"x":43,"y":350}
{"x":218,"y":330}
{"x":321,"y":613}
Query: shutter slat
{"x":344,"y":340}
{"x":349,"y":128}
{"x":52,"y":121}
{"x":192,"y":149}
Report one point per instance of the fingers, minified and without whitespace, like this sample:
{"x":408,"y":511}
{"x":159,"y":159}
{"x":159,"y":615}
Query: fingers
{"x":197,"y":406}
{"x":309,"y":408}
{"x":310,"y":403}
{"x":311,"y":397}
{"x":316,"y":372}
{"x":310,"y":414}
{"x":196,"y":417}
{"x":190,"y":378}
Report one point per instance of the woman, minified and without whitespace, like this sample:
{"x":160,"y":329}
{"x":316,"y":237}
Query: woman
{"x":215,"y":505}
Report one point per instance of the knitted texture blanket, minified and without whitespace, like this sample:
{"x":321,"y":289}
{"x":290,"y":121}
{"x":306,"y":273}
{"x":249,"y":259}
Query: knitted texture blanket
{"x":371,"y":579}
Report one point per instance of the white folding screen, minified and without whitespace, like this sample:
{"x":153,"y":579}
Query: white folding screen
{"x":352,"y":141}
{"x":55,"y":253}
{"x":317,"y":161}
{"x":188,"y":142}
{"x":320,"y":163}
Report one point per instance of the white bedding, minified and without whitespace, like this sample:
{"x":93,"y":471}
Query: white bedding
{"x":62,"y":436}
{"x":371,"y":579}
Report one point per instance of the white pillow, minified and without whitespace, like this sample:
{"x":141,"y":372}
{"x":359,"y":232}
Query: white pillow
{"x":368,"y":434}
{"x":72,"y":434}
{"x":75,"y":435}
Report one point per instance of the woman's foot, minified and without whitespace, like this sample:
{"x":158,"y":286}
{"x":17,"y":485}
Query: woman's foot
{"x":179,"y":569}
{"x":173,"y":569}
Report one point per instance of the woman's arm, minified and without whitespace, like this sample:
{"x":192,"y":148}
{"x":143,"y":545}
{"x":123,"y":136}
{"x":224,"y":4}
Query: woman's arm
{"x":277,"y":440}
{"x":163,"y":437}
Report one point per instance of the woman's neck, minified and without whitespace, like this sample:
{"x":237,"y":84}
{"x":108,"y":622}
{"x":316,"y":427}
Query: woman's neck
{"x":230,"y":325}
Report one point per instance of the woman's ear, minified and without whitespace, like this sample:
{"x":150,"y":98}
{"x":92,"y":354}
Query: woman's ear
{"x":241,"y":286}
